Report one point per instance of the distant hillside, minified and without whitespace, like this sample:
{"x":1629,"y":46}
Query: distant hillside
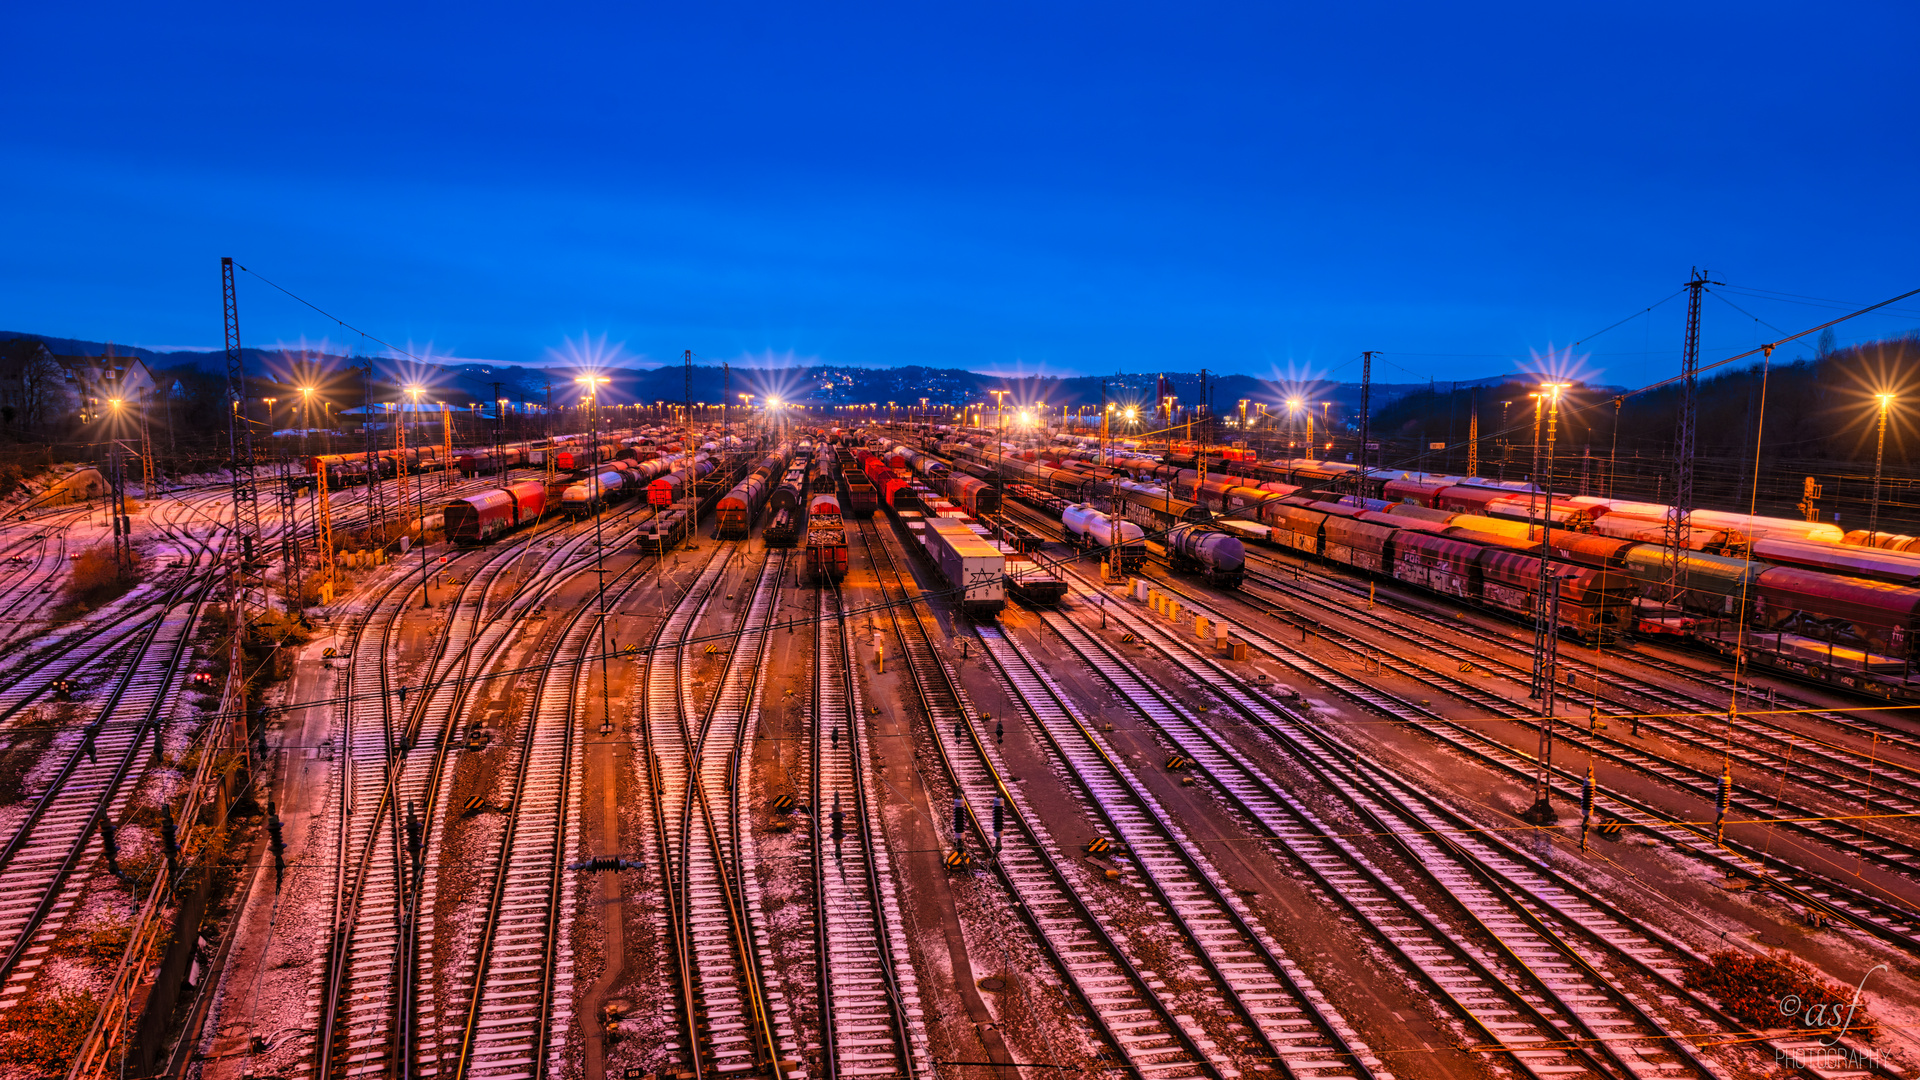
{"x":279,"y":371}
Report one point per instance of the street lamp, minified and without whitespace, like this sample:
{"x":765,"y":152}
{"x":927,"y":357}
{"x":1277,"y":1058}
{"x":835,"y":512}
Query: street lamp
{"x":1546,"y":633}
{"x":1879,"y":458}
{"x":413,"y":391}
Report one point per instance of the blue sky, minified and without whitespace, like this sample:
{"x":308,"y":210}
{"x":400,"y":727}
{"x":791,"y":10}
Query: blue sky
{"x":1258,"y":188}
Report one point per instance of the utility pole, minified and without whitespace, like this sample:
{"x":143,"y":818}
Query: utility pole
{"x":246,"y":493}
{"x":446,"y":447}
{"x":1366,"y":416}
{"x":1200,"y":452}
{"x":1680,"y":510}
{"x":552,"y":451}
{"x":499,"y":423}
{"x":691,"y":483}
{"x":117,"y":503}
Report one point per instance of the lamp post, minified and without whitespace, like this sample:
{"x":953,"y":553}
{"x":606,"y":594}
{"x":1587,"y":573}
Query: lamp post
{"x":1546,"y":635}
{"x":420,"y":495}
{"x":999,"y":444}
{"x":1879,"y":459}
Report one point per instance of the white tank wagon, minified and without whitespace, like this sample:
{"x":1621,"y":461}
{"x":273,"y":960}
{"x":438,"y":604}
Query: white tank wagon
{"x":1089,"y":529}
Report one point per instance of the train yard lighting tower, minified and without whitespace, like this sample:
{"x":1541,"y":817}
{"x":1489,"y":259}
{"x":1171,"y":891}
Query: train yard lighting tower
{"x":1546,"y":630}
{"x":117,"y":502}
{"x":420,"y":494}
{"x":1879,"y":459}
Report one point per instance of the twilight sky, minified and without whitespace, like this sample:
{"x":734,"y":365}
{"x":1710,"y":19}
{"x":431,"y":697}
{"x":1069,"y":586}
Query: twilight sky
{"x":1261,"y":188}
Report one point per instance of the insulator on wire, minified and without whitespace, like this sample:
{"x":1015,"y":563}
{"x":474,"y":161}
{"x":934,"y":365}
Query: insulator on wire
{"x":959,"y":819}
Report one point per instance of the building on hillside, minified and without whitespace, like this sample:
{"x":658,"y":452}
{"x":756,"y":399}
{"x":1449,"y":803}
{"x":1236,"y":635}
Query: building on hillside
{"x":96,"y":382}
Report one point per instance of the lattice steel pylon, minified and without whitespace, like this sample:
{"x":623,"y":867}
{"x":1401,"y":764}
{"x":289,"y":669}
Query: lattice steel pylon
{"x":1680,"y":511}
{"x":246,"y":491}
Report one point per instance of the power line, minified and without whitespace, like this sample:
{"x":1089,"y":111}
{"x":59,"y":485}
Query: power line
{"x":337,"y":319}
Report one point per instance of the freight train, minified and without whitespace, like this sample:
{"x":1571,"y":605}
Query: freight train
{"x":737,"y":510}
{"x":787,"y":506}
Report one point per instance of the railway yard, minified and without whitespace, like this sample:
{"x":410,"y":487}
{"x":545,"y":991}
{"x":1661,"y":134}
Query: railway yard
{"x":892,"y":753}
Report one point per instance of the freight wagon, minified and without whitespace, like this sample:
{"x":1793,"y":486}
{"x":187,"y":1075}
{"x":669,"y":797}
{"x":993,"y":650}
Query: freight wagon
{"x":972,"y":568}
{"x":479,"y":518}
{"x":826,"y":548}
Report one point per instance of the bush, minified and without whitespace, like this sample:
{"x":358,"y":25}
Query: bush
{"x":102,"y":944}
{"x":1778,"y":990}
{"x":95,"y":579}
{"x":11,"y":479}
{"x":43,"y":1032}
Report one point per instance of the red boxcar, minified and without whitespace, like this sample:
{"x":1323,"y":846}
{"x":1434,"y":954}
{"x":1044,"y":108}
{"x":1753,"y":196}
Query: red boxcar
{"x":477,"y":519}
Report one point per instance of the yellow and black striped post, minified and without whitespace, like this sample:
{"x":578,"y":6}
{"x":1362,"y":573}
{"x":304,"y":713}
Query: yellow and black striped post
{"x":1725,"y":802}
{"x":1586,"y":807}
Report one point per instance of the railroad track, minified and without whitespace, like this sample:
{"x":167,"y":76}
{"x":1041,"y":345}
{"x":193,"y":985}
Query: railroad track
{"x":1846,"y":903}
{"x":1763,"y":744}
{"x":1614,"y":982}
{"x":372,"y":997}
{"x":1887,"y":852}
{"x":1285,"y":1018}
{"x":734,"y":1022}
{"x":34,"y":578}
{"x":58,"y":832}
{"x":1124,"y":1016}
{"x":870,"y":1018}
{"x":660,"y":721}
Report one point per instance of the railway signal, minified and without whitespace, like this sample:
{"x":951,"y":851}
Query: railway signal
{"x":783,"y":804}
{"x":169,"y":838}
{"x":110,"y":846}
{"x":414,"y":844}
{"x":473,"y":805}
{"x":1612,"y":828}
{"x":959,"y":821}
{"x":276,"y":845}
